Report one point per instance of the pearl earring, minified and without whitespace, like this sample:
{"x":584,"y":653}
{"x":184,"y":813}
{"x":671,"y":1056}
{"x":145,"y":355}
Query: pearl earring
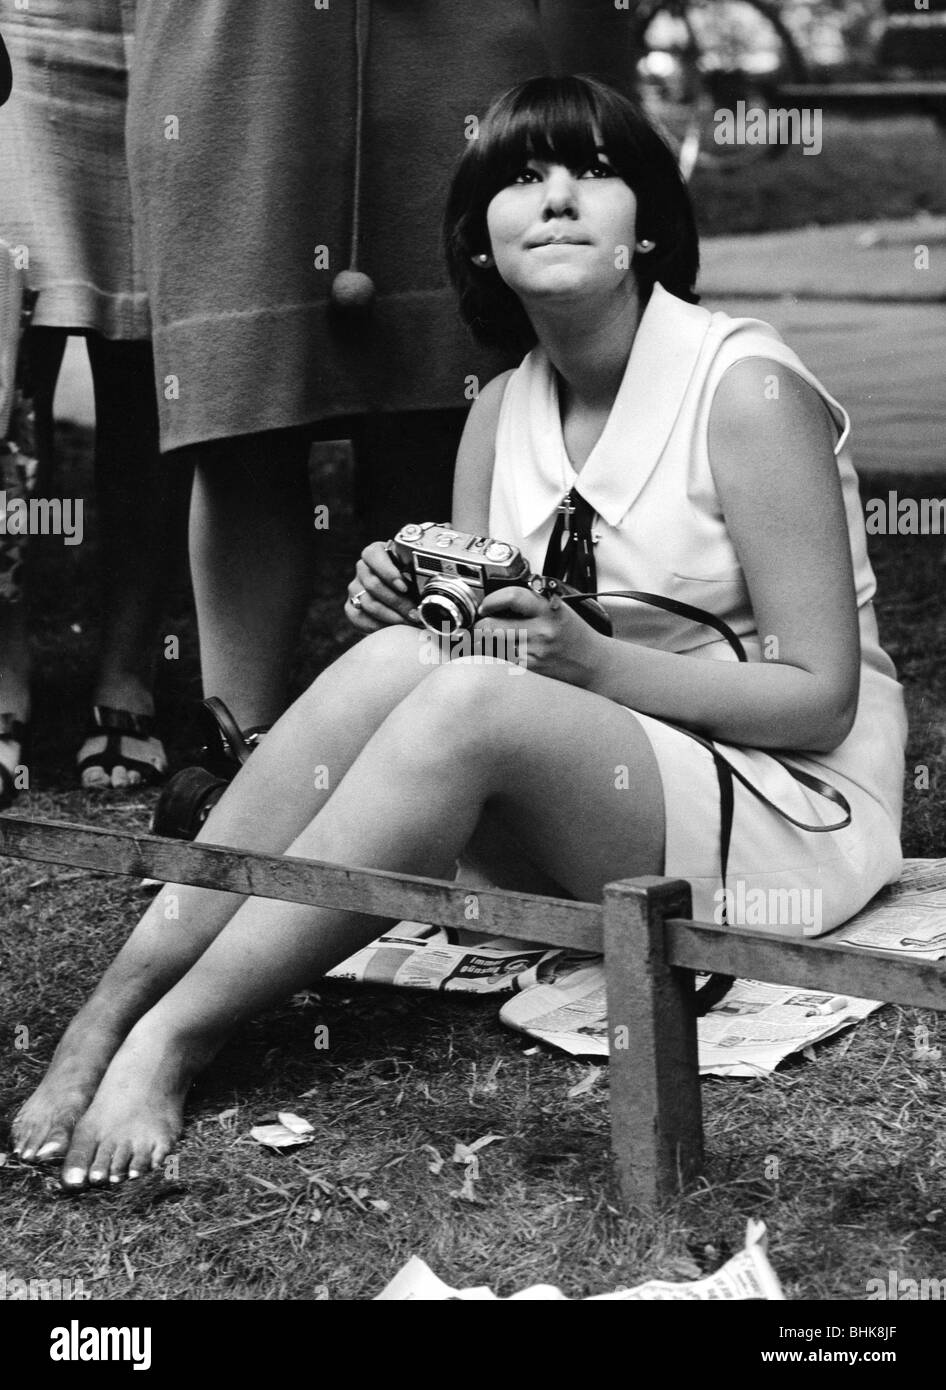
{"x":645,"y":245}
{"x":483,"y":260}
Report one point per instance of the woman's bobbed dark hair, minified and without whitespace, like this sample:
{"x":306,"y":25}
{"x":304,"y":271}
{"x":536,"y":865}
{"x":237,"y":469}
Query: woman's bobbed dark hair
{"x":559,"y":119}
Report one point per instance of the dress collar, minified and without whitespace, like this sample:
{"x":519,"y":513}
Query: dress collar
{"x":659,"y":369}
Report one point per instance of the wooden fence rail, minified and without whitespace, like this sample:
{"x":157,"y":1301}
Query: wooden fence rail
{"x":651,"y":949}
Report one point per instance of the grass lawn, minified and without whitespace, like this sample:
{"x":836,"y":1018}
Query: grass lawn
{"x":843,"y":1156}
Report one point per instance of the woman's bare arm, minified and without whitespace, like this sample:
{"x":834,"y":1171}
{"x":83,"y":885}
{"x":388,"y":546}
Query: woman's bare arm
{"x":474,"y":473}
{"x":776,"y":474}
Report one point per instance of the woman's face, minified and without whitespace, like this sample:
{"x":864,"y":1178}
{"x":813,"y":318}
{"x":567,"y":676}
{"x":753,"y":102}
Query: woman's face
{"x":561,"y":234}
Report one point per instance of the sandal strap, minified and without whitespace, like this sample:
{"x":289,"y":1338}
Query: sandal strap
{"x":107,"y":720}
{"x":113,"y":724}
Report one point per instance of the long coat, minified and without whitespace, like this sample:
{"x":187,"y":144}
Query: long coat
{"x":240,"y":136}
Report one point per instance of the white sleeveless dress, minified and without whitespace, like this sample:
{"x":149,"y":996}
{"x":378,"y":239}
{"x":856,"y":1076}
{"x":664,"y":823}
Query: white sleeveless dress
{"x":662,"y":530}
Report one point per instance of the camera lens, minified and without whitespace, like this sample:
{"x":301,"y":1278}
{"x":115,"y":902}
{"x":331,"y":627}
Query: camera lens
{"x":447,"y":606}
{"x":438,"y":614}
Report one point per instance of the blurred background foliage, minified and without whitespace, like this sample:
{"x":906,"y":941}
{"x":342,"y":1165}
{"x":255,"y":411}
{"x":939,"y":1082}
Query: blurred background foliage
{"x":836,"y":37}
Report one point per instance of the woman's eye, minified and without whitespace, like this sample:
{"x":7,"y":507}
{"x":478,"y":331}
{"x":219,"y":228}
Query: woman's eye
{"x":599,"y":170}
{"x":526,"y":175}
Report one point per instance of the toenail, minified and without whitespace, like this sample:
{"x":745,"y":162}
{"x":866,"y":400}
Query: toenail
{"x":97,"y":1176}
{"x":114,"y":1177}
{"x":47,"y":1149}
{"x":73,"y":1177}
{"x":133,"y":1173}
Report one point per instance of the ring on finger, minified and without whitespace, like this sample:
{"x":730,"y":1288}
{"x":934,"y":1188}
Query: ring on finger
{"x":356,"y":599}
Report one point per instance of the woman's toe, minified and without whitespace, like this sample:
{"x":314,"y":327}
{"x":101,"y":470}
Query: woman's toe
{"x":141,"y":1161}
{"x":80,"y":1158}
{"x":119,"y":776}
{"x":118,"y":1168}
{"x":160,"y":1154}
{"x":23,"y":1139}
{"x":95,"y":777}
{"x":39,"y":1142}
{"x":54,"y":1146}
{"x":75,"y":1176}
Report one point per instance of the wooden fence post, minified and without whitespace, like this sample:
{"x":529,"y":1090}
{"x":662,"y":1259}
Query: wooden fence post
{"x":656,"y":1115}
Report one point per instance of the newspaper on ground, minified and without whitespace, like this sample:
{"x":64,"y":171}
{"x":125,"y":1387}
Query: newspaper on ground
{"x":748,"y":1275}
{"x":422,"y":957}
{"x":908,"y":917}
{"x":558,"y":997}
{"x":754,"y":1028}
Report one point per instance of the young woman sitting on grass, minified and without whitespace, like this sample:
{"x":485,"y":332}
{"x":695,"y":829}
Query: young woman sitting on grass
{"x":710,"y":468}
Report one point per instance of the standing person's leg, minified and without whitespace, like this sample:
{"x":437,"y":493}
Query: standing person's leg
{"x":42,"y":351}
{"x":136,"y":493}
{"x":14,"y":694}
{"x":470,"y":738}
{"x":251,"y":532}
{"x":287,"y":781}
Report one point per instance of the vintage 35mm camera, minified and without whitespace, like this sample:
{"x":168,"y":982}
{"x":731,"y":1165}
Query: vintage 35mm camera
{"x":451,"y":573}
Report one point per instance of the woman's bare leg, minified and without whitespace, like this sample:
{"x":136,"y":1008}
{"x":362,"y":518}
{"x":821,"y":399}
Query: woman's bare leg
{"x":285,"y":783}
{"x":542,"y":754}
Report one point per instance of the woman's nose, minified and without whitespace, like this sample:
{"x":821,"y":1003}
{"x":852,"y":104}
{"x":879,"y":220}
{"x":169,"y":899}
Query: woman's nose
{"x":561,"y":194}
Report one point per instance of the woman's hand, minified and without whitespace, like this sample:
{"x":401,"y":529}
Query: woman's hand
{"x":544,"y":635}
{"x":378,"y":595}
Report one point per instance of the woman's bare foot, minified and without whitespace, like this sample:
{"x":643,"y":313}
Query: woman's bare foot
{"x":136,"y":1116}
{"x":42,"y":1130}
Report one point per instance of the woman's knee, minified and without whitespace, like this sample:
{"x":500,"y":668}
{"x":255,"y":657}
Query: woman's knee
{"x":471,"y":699}
{"x":390,"y":656}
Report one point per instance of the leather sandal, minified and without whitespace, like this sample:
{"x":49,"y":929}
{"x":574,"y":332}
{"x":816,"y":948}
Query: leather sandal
{"x":113,"y":725}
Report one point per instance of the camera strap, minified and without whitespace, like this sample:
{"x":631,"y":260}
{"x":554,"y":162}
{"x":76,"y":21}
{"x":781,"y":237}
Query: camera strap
{"x":570,"y":555}
{"x":570,"y":559}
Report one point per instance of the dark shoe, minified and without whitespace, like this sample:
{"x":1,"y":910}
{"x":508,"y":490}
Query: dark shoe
{"x":191,"y":794}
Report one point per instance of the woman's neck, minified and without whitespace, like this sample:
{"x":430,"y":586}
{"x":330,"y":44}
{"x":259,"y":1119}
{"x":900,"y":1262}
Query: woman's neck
{"x":589,"y":351}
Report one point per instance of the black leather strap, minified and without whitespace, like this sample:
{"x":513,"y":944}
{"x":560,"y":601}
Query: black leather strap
{"x":718,"y":985}
{"x":570,"y":555}
{"x":683,"y":610}
{"x":106,"y":719}
{"x":806,"y":779}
